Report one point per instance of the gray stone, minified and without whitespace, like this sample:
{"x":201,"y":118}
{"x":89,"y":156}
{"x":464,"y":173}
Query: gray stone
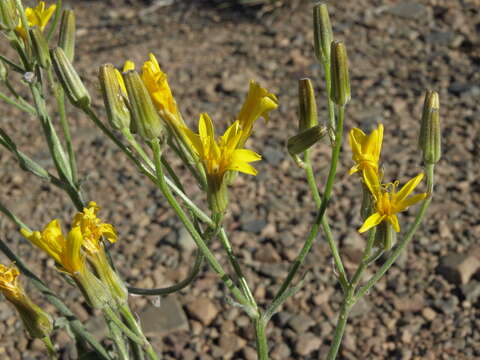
{"x":272,"y":155}
{"x":307,"y":343}
{"x":458,"y":268}
{"x":301,"y":323}
{"x":448,"y":306}
{"x":471,"y":291}
{"x":254,"y":226}
{"x":362,"y":307}
{"x":185,"y":240}
{"x":408,"y":10}
{"x":164,"y":319}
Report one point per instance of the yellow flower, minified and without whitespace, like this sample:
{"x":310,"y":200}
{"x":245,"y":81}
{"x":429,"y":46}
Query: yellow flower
{"x":38,"y":16}
{"x":9,"y":285}
{"x":65,"y":251}
{"x":222,"y":155}
{"x":259,"y":103}
{"x":366,"y":149}
{"x":93,"y":229}
{"x":388,"y":204}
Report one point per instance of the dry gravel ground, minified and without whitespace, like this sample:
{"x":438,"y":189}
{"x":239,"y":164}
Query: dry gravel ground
{"x":427,"y":307}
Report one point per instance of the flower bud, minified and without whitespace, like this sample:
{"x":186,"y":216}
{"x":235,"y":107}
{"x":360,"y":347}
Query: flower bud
{"x":385,"y":236}
{"x":430,"y":133}
{"x":114,"y":96}
{"x":40,"y":48}
{"x":303,"y":141}
{"x":144,"y":115}
{"x":322,"y":32}
{"x":340,"y":92}
{"x":66,"y":38}
{"x":8,"y":14}
{"x":69,"y":79}
{"x":307,"y":106}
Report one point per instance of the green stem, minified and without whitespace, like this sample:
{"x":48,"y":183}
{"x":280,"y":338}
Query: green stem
{"x":339,"y":329}
{"x":60,"y":98}
{"x":236,"y":267}
{"x":406,"y":239}
{"x":343,"y":279}
{"x":135,"y":327}
{"x":14,"y":66}
{"x":261,"y":338}
{"x":321,"y":212}
{"x":117,"y":338}
{"x":213,"y":262}
{"x":22,"y":106}
{"x":110,"y":315}
{"x":174,"y":288}
{"x":52,"y":353}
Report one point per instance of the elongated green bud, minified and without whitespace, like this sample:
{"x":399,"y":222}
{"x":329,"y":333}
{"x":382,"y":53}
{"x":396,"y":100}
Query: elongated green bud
{"x":8,"y":14}
{"x":429,"y":139}
{"x":340,"y":92}
{"x":322,"y":32}
{"x":303,"y":141}
{"x":385,"y":236}
{"x":40,"y":48}
{"x":69,"y":79}
{"x":144,"y":115}
{"x":66,"y":39}
{"x":114,"y":96}
{"x":307,"y":105}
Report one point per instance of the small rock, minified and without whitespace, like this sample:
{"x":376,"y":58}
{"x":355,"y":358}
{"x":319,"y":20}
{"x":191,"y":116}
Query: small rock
{"x":429,"y":314}
{"x":362,"y":307}
{"x":409,"y":303}
{"x":301,"y":323}
{"x":254,"y":226}
{"x":163,"y":319}
{"x":307,"y":343}
{"x":272,"y":155}
{"x":231,"y":343}
{"x":458,"y":268}
{"x":281,"y":351}
{"x":448,"y":306}
{"x":267,"y":254}
{"x":408,"y":10}
{"x":471,"y":291}
{"x":185,"y":240}
{"x":203,"y":309}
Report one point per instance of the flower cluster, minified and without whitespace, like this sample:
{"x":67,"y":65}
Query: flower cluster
{"x":83,"y":242}
{"x":216,"y":156}
{"x":388,"y":201}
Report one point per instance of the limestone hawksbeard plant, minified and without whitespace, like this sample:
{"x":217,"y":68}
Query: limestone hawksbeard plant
{"x":143,"y":120}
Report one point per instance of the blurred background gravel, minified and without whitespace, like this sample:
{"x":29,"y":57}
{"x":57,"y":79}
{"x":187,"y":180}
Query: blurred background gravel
{"x":427,"y":307}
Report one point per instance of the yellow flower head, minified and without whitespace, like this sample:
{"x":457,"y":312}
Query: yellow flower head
{"x":366,"y":149}
{"x":65,"y":251}
{"x":93,"y":229}
{"x":38,"y":16}
{"x":222,"y":155}
{"x":9,"y":285}
{"x":389,"y":203}
{"x":259,"y":103}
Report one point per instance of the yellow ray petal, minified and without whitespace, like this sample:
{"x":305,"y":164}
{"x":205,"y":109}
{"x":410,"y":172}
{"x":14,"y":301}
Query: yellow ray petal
{"x":372,"y":221}
{"x":412,"y":200}
{"x":392,"y":219}
{"x":408,"y":188}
